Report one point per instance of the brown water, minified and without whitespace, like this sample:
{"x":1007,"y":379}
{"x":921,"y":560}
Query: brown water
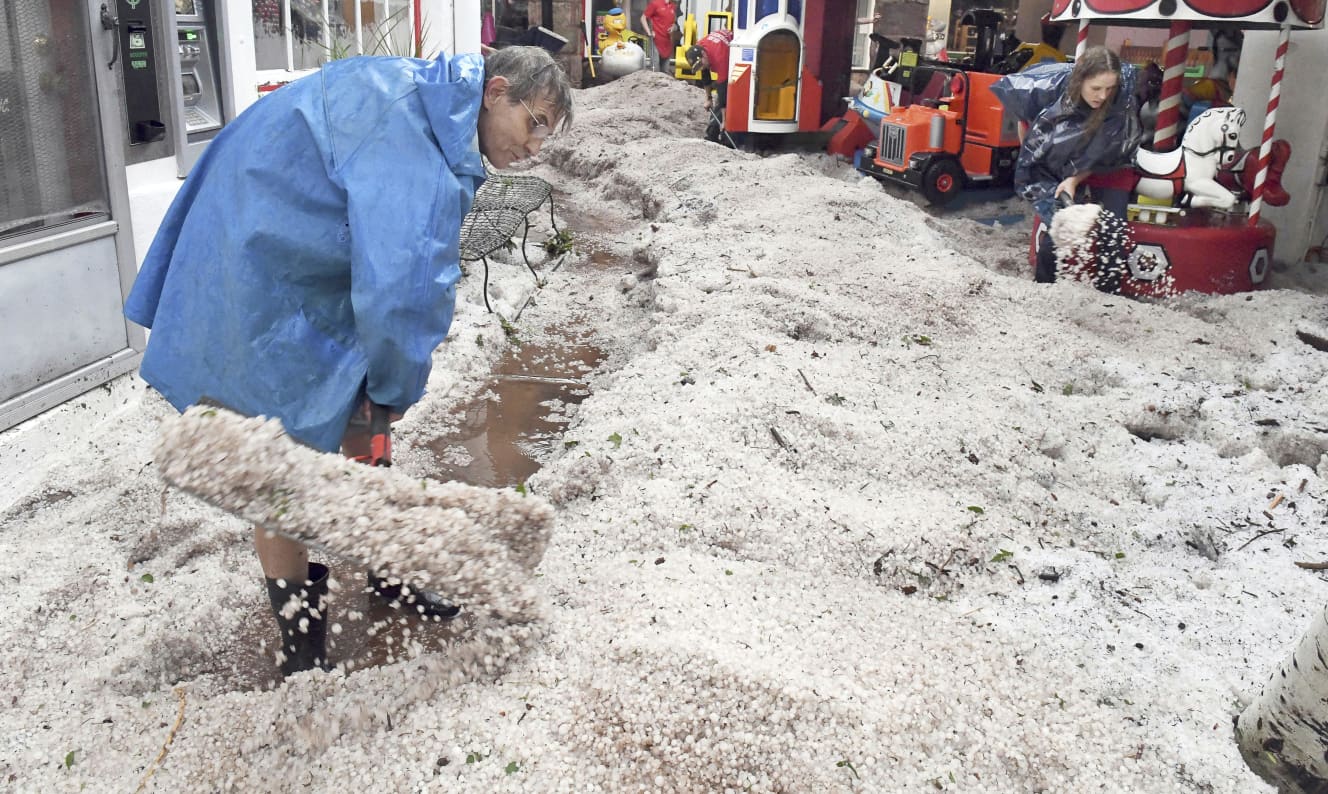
{"x":503,"y":434}
{"x":507,"y":429}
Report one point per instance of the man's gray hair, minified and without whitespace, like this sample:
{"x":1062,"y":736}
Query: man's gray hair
{"x":533,"y":74}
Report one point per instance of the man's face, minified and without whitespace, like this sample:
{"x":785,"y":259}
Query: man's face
{"x":510,"y":130}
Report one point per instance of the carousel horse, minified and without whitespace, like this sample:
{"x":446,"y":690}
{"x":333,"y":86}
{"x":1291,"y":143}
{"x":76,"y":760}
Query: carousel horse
{"x":1210,"y":169}
{"x":1188,"y":174}
{"x":1241,"y":176}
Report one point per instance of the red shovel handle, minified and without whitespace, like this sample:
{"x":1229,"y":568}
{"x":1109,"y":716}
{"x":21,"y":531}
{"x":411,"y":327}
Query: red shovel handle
{"x":380,"y":435}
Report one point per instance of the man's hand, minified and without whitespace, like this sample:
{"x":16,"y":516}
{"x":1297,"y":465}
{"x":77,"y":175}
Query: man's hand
{"x":709,"y":103}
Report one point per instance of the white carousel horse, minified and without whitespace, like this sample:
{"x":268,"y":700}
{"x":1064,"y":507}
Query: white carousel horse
{"x":1189,"y":172}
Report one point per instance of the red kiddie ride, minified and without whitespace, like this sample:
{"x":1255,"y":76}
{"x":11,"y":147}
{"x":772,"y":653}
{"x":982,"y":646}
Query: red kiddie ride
{"x":954,"y":134}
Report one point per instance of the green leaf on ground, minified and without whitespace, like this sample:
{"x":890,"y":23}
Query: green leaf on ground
{"x":146,"y":578}
{"x":616,"y":440}
{"x":511,"y":767}
{"x":559,"y":243}
{"x":69,"y":759}
{"x":976,"y":509}
{"x":1002,"y":556}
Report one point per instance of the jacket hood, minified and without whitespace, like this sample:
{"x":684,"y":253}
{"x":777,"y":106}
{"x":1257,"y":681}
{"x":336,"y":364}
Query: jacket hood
{"x":1028,"y":93}
{"x":451,"y":89}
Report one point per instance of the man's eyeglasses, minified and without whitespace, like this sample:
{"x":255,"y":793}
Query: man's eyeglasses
{"x":540,"y":130}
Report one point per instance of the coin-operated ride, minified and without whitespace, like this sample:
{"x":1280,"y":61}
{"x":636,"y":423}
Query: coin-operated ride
{"x":1208,"y":235}
{"x":930,"y":125}
{"x":771,"y":88}
{"x":613,"y":29}
{"x":621,"y":51}
{"x":954,"y":134}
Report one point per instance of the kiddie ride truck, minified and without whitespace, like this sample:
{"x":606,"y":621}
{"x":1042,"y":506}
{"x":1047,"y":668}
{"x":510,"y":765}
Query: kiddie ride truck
{"x":950,"y":133}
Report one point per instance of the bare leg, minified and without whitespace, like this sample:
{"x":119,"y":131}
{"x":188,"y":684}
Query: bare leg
{"x":281,"y":557}
{"x":287,"y":559}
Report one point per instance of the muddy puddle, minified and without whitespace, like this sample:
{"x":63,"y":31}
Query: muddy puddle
{"x":501,"y":436}
{"x":519,"y":415}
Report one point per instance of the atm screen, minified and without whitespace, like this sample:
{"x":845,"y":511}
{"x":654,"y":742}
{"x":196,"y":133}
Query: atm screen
{"x":186,"y":7}
{"x":190,"y":84}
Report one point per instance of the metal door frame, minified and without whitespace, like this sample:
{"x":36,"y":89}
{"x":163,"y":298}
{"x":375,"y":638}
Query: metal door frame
{"x":112,"y":140}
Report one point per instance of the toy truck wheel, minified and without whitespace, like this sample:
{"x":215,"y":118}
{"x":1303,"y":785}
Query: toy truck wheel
{"x":942,"y":181}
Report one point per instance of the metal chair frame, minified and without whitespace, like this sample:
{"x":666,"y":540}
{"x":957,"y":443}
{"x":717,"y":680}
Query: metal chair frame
{"x":502,"y":206}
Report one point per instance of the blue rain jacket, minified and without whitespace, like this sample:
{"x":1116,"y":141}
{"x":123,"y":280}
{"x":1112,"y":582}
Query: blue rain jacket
{"x":313,"y":253}
{"x":1056,"y":145}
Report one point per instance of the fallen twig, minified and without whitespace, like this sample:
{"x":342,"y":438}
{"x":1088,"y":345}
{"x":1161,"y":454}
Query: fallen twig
{"x":953,"y":552}
{"x":781,"y":442}
{"x":156,"y":762}
{"x":1313,"y":566}
{"x":1261,"y":534}
{"x":1277,"y":501}
{"x":809,"y":383}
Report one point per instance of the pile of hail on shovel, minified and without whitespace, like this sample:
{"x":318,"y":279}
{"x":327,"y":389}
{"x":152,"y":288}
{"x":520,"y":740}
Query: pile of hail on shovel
{"x":479,"y":546}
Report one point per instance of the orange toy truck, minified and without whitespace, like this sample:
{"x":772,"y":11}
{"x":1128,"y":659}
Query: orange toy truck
{"x":953,"y":133}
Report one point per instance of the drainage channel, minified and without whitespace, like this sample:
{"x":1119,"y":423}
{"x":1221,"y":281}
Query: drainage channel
{"x":503,"y":434}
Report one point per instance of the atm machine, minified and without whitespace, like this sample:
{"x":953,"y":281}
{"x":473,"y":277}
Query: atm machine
{"x":202,"y":73}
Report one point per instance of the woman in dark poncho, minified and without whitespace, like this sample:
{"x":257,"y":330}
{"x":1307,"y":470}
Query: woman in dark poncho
{"x":1081,"y":120}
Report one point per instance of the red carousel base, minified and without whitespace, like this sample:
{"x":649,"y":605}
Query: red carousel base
{"x":1200,"y":252}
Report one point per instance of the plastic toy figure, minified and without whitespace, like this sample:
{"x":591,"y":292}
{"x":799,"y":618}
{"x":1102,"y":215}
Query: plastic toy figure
{"x":613,"y":30}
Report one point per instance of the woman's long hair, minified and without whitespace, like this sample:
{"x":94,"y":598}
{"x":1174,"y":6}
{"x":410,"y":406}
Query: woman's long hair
{"x":1095,"y":61}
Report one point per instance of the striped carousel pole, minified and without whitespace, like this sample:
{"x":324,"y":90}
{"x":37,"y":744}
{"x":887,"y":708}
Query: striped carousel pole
{"x":1173,"y":73}
{"x":1269,"y":123}
{"x":1082,"y":43}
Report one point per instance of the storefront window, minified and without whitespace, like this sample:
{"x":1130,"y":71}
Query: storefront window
{"x":51,"y":170}
{"x":862,"y":35}
{"x":314,"y":39}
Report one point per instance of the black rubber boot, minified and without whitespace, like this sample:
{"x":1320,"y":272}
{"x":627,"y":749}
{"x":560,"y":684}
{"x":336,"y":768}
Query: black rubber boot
{"x":429,"y":606}
{"x":1045,"y":273}
{"x":303,"y":627}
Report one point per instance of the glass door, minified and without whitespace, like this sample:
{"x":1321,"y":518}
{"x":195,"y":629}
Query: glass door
{"x":66,"y":255}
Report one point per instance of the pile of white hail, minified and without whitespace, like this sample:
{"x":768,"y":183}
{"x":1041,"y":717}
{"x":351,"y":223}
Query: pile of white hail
{"x":478,"y":545}
{"x":1097,"y":246}
{"x":853,"y":505}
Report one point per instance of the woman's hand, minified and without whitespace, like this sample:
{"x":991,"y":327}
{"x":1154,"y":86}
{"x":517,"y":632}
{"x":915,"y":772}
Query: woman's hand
{"x":1070,"y":185}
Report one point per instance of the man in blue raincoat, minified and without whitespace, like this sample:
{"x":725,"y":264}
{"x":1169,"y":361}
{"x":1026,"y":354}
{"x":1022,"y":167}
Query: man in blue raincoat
{"x":308,"y":265}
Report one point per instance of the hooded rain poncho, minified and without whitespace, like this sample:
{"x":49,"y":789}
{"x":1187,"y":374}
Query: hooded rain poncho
{"x":1057,"y":145}
{"x":312,"y":256}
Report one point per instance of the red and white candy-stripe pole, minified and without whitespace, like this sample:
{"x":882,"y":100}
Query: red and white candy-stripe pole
{"x":1081,"y":43}
{"x":1173,"y":73}
{"x":1269,"y":123}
